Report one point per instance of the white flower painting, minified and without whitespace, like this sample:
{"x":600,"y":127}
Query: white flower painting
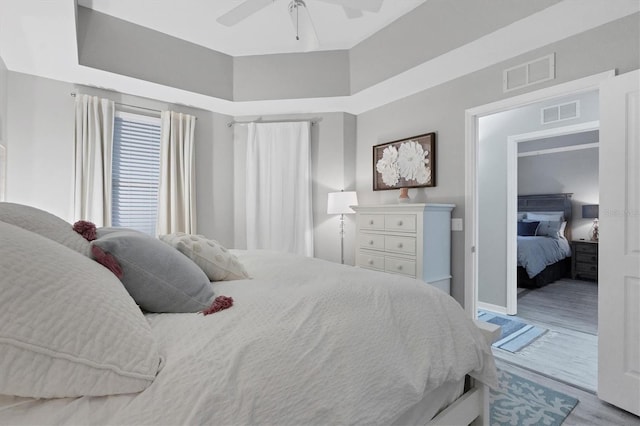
{"x":406,"y":163}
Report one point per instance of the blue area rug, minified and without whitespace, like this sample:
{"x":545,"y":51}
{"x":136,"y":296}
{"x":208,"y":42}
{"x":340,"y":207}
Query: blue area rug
{"x":515,"y":334}
{"x":519,"y":401}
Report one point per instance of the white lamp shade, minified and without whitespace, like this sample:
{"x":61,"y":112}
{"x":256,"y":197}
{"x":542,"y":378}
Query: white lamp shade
{"x":339,"y":202}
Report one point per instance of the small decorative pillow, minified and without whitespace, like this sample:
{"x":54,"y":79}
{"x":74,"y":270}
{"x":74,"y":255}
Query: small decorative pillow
{"x":157,"y":277}
{"x":552,"y":216}
{"x":527,"y":229}
{"x":215,"y":260}
{"x":551,"y":229}
{"x":68,"y":328}
{"x":45,"y":224}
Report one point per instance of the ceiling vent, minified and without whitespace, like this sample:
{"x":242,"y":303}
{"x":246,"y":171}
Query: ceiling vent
{"x":560,"y":112}
{"x":529,"y":73}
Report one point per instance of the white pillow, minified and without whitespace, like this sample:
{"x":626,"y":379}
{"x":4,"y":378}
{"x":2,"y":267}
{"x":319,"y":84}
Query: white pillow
{"x":45,"y":224}
{"x":68,"y":327}
{"x":546,"y":217}
{"x":215,"y":260}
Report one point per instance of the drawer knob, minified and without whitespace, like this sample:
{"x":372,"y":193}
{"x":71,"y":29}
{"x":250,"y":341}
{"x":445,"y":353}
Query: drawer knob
{"x":399,"y":267}
{"x":399,"y":223}
{"x":370,"y":262}
{"x":371,"y":242}
{"x":399,"y":245}
{"x":371,"y":222}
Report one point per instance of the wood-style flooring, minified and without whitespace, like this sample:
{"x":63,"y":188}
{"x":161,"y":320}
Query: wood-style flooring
{"x":566,"y":357}
{"x":568,"y":352}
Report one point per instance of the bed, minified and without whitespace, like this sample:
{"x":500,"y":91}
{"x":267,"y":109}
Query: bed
{"x":305,"y":342}
{"x":544,"y":252}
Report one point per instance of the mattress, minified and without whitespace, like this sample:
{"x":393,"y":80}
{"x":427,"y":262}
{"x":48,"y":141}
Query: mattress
{"x":306,"y":342}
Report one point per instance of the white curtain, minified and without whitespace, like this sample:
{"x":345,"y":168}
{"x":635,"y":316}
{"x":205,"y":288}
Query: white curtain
{"x":93,"y":152}
{"x":177,"y":192}
{"x":278,"y":188}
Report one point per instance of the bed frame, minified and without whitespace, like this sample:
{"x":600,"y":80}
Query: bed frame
{"x":547,"y":203}
{"x":472,"y":407}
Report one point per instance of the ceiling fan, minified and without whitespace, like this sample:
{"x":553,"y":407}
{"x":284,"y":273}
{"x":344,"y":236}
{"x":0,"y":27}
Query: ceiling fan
{"x":300,"y":17}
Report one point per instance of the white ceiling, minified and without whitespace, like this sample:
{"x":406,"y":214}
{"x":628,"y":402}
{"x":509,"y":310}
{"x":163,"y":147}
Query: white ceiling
{"x":270,"y":30}
{"x":38,"y":37}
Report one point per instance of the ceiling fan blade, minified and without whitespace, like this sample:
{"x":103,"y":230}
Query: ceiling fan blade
{"x":352,"y":13}
{"x":242,"y":11}
{"x":303,"y":26}
{"x":368,"y":5}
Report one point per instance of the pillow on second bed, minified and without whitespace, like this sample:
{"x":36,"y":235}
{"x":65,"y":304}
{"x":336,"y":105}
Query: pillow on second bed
{"x":527,"y":229}
{"x":214,"y":259}
{"x":159,"y":278}
{"x":67,"y":326}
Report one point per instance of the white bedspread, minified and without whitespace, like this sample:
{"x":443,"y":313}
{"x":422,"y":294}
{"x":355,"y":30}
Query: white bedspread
{"x":306,"y":342}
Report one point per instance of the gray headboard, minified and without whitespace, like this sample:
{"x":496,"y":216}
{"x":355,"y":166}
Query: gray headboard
{"x":548,"y":203}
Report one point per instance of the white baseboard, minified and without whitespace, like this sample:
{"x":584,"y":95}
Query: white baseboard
{"x":493,"y":308}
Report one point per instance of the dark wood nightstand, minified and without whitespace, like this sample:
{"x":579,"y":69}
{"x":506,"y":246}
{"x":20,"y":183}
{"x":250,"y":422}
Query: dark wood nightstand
{"x":584,"y":259}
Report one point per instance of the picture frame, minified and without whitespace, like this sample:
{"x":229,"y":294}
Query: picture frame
{"x":405,"y":163}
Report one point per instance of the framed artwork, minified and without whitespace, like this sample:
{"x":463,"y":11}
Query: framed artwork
{"x":405,"y":163}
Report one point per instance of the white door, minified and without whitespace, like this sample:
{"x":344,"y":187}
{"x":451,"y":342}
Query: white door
{"x":619,"y":251}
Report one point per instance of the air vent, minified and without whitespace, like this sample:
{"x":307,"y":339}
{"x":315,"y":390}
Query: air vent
{"x":533,"y":72}
{"x":560,"y":112}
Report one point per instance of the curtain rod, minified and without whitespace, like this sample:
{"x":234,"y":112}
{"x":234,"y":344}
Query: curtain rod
{"x":260,"y":120}
{"x":130,"y":106}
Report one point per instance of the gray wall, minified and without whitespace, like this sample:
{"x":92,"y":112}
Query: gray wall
{"x":118,"y":46}
{"x":3,"y":102}
{"x":442,"y":109}
{"x":430,"y":30}
{"x":571,"y":171}
{"x":3,"y":123}
{"x":41,"y":162}
{"x":291,"y":76}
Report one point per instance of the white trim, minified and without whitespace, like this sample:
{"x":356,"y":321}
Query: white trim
{"x":560,"y":149}
{"x":471,"y":166}
{"x":131,"y":116}
{"x":492,"y":308}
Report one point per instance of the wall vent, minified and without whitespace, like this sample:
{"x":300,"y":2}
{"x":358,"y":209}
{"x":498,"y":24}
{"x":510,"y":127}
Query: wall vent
{"x":560,"y":112}
{"x":532,"y":72}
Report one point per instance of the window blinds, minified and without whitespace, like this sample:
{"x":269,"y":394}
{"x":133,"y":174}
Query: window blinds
{"x":136,"y":172}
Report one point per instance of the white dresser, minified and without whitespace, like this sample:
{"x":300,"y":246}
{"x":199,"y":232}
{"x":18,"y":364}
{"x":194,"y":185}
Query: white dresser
{"x":406,"y":239}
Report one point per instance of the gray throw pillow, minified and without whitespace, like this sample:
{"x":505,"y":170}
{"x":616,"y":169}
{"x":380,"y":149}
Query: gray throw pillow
{"x":549,"y":229}
{"x":159,"y":278}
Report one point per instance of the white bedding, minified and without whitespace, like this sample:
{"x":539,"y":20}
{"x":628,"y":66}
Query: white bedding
{"x":306,"y":342}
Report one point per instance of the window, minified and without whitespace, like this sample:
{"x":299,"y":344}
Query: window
{"x":135,"y":172}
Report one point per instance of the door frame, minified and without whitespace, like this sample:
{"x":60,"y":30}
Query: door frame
{"x":471,"y":166}
{"x":512,"y":198}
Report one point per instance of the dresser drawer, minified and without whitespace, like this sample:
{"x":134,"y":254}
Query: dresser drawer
{"x":371,"y":241}
{"x":400,"y":222}
{"x":582,"y":257}
{"x":586,"y":248}
{"x":370,"y":260}
{"x":400,"y":266}
{"x":586,"y":268}
{"x":405,"y":245}
{"x":371,"y":221}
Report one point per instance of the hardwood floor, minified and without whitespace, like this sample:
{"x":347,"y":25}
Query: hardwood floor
{"x":566,"y":357}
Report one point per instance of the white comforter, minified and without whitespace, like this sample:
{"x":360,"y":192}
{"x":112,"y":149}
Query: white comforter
{"x":306,"y":342}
